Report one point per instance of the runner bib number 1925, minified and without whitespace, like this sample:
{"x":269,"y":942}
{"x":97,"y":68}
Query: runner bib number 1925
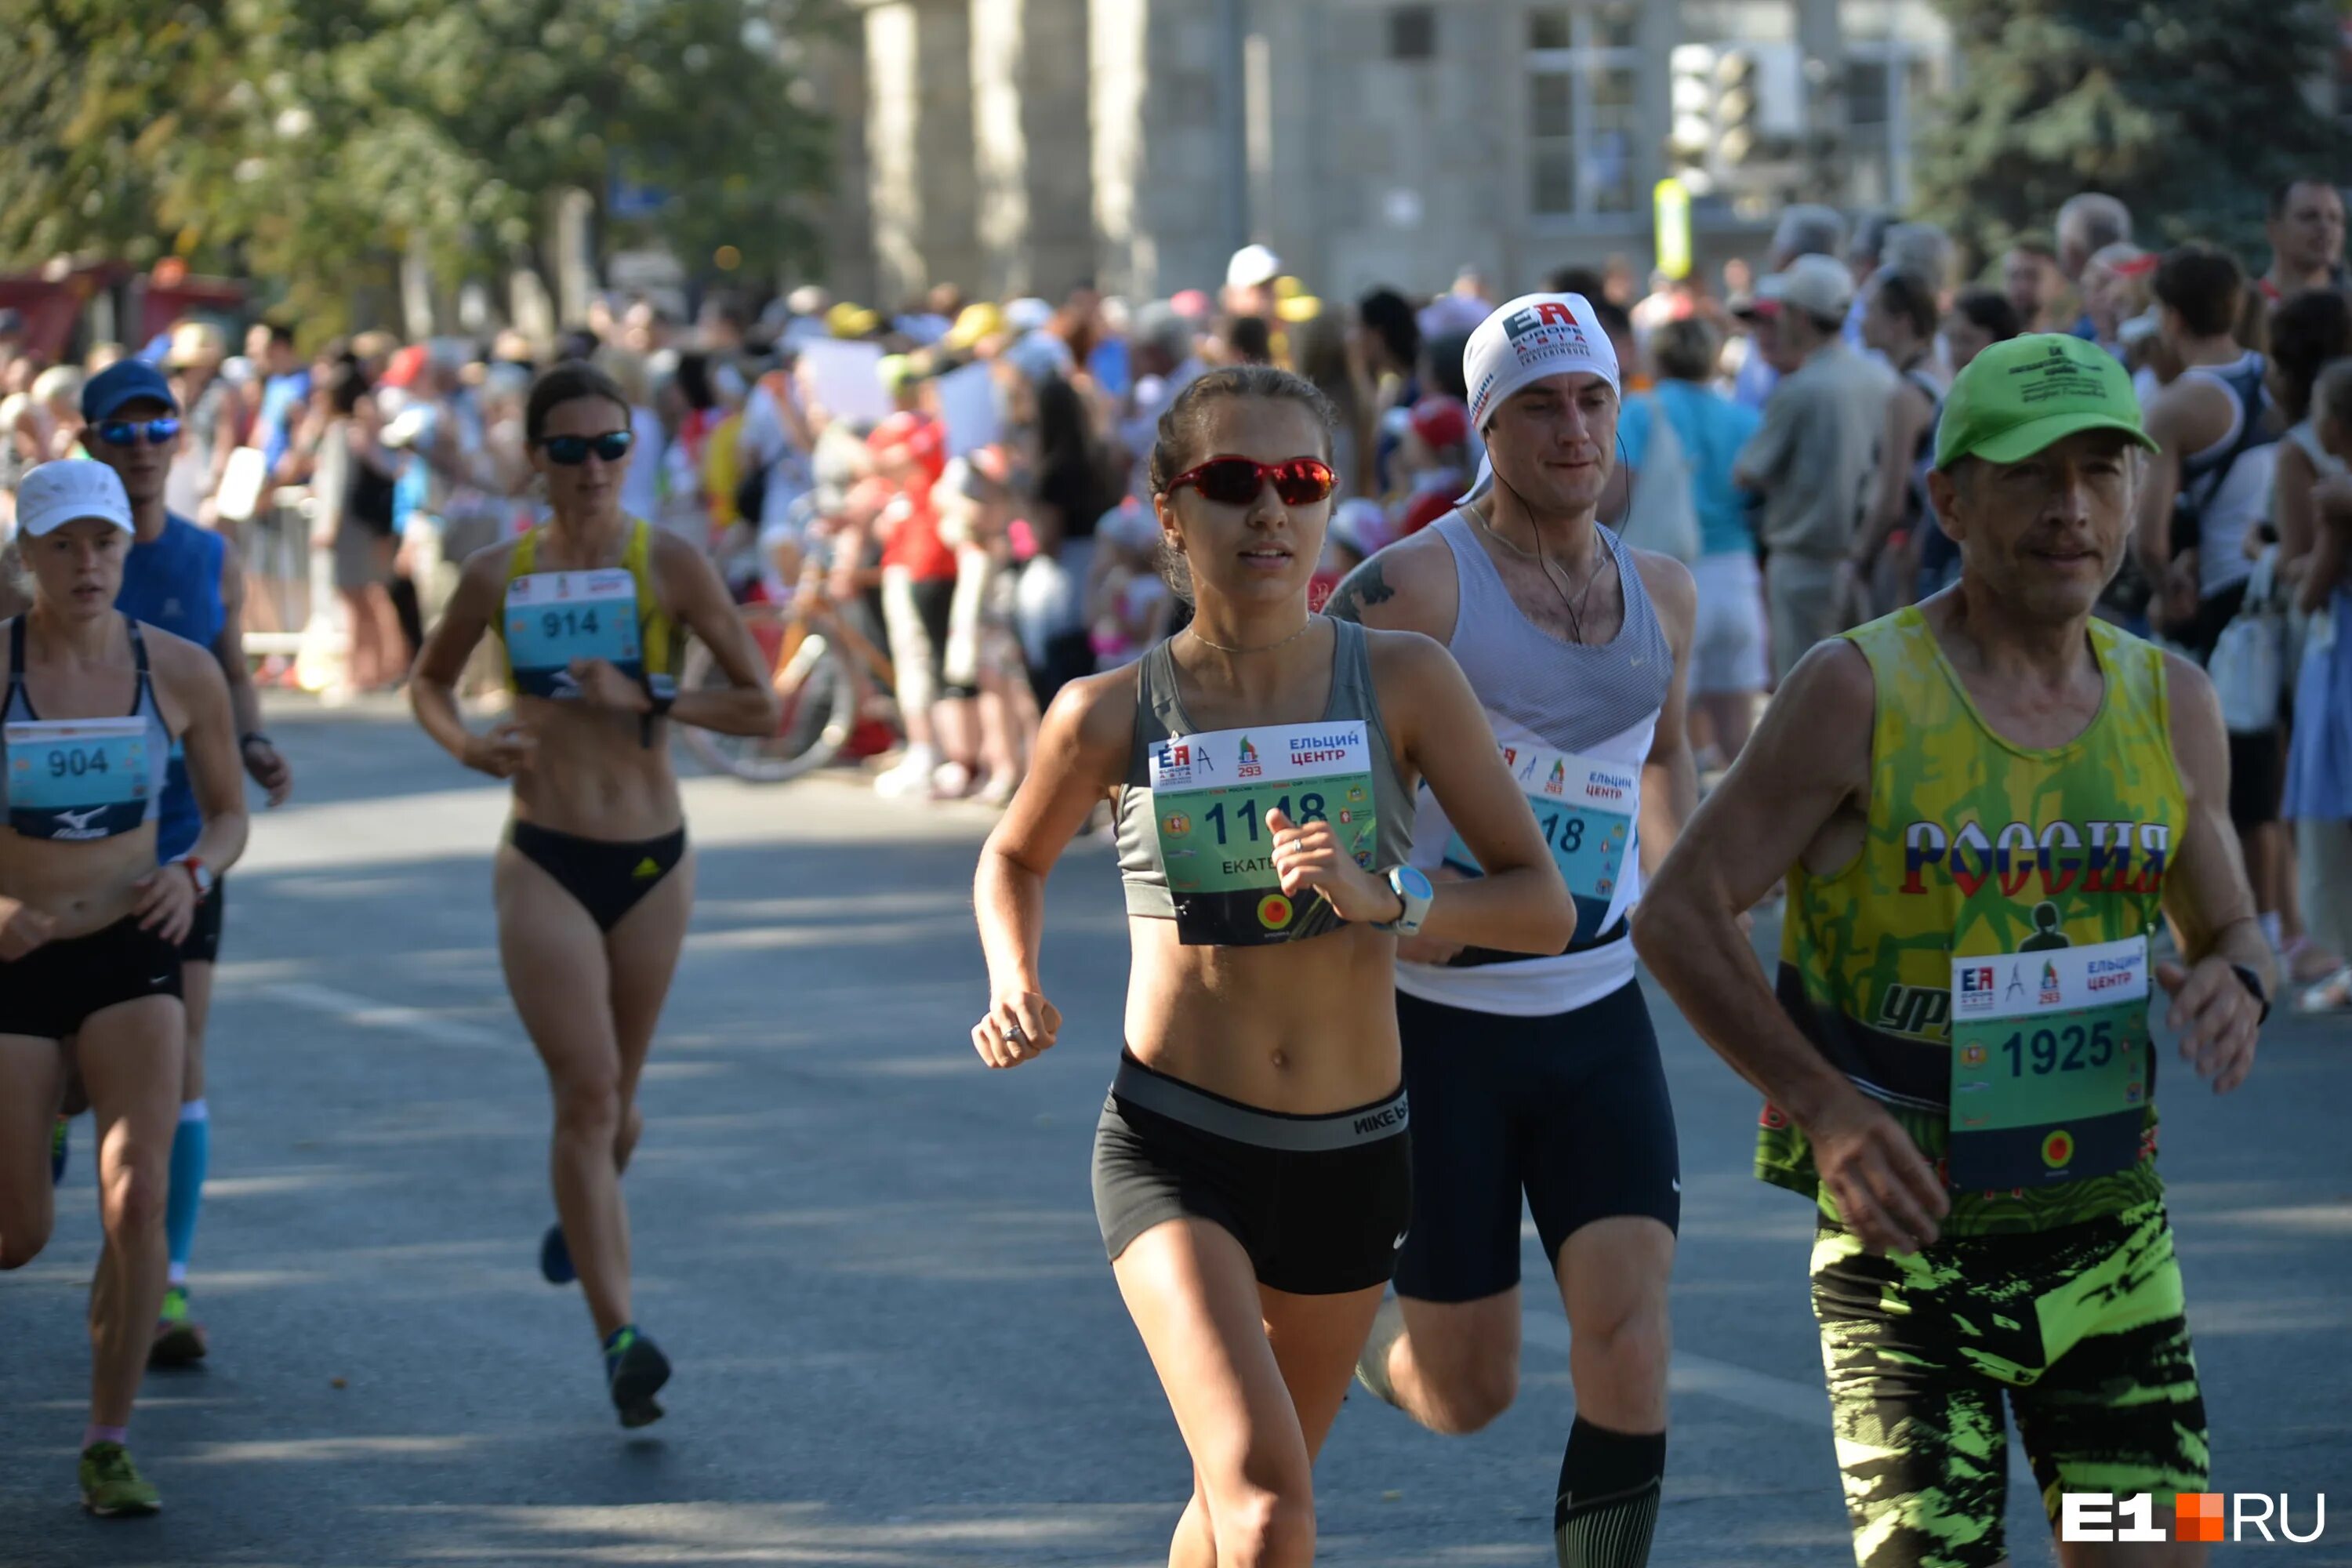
{"x":554,"y":617}
{"x":1211,"y":794}
{"x":76,"y":778}
{"x":2051,"y":1068}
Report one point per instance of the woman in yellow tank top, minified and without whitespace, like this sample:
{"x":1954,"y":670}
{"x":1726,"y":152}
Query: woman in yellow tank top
{"x":594,"y":881}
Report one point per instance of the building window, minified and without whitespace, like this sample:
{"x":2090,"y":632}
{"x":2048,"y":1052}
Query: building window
{"x":1412,"y":32}
{"x":1583,"y":108}
{"x":1898,"y":52}
{"x":1739,"y":21}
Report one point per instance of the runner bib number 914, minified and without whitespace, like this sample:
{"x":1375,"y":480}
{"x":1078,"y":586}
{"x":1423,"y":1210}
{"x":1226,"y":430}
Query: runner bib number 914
{"x":2052,"y":1069}
{"x":554,"y":617}
{"x":76,"y":778}
{"x":1211,"y":792}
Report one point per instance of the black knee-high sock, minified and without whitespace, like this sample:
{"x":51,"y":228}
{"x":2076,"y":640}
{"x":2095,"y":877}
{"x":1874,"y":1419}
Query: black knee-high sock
{"x":1608,"y":1502}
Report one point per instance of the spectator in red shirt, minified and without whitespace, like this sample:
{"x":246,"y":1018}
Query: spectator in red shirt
{"x":918,"y":583}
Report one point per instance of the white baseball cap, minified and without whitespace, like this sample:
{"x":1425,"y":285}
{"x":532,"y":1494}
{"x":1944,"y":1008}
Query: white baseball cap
{"x":1028,"y":315}
{"x":1252,"y":267}
{"x":1820,"y":286}
{"x":70,"y":490}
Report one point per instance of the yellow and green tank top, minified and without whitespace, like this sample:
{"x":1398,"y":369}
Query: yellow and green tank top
{"x":1975,"y":846}
{"x":658,"y":635}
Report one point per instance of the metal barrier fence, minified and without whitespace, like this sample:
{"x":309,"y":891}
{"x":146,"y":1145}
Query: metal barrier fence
{"x":284,"y":577}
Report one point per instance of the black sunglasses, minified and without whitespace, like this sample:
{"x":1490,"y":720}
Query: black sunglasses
{"x":572,"y":450}
{"x":127,"y":432}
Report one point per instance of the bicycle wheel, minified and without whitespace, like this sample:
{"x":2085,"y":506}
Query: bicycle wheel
{"x":819,"y":708}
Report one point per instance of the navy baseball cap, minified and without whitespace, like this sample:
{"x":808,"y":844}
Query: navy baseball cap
{"x":125,"y":381}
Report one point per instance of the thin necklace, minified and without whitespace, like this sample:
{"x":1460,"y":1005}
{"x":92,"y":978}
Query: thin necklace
{"x":1266,"y":648}
{"x":1576,"y":608}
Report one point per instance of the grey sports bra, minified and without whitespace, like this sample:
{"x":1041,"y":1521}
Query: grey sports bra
{"x":1160,"y":715}
{"x":74,"y":779}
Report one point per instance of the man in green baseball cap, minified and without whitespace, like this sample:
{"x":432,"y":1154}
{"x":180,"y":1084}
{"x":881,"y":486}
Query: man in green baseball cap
{"x":2024,"y":394}
{"x":1983,"y":805}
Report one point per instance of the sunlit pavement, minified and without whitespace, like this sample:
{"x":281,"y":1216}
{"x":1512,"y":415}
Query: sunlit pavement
{"x":875,"y":1265}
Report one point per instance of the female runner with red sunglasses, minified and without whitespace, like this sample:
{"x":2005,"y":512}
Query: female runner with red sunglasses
{"x":594,"y":882}
{"x":1250,"y":1168}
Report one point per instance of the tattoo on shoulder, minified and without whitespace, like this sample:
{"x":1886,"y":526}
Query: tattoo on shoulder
{"x":1366,"y":585}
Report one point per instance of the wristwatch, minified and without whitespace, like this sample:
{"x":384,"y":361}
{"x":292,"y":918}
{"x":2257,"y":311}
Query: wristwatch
{"x":2252,"y":982}
{"x":198,"y":873}
{"x":245,"y":742}
{"x":1413,"y":887}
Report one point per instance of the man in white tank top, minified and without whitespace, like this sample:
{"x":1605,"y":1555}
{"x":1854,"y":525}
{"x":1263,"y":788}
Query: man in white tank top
{"x":1541,"y":1076}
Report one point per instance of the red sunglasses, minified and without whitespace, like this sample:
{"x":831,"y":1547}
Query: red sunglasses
{"x":1236,"y":481}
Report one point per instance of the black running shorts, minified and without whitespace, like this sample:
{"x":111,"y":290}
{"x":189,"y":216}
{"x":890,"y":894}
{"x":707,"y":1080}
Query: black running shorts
{"x":1570,"y":1108}
{"x":52,"y":990}
{"x":202,"y":944}
{"x":1319,"y":1203}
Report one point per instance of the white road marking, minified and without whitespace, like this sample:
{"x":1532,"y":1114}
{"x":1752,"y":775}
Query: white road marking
{"x":366,"y":1013}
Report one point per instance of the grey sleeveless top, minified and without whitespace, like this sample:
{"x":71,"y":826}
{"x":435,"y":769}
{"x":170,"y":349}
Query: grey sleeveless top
{"x":1160,"y":715}
{"x":1599,"y":703}
{"x":1593,"y":699}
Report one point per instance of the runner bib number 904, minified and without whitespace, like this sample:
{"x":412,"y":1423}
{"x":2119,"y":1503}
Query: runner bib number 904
{"x":1211,"y":794}
{"x":554,"y":617}
{"x":76,"y":778}
{"x":2051,"y":1068}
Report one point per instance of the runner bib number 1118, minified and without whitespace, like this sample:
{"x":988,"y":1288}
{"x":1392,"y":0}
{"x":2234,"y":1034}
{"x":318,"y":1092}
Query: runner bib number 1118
{"x":1211,"y":794}
{"x":2051,"y":1068}
{"x":554,"y":617}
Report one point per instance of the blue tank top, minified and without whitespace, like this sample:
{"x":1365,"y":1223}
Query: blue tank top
{"x":78,"y":779}
{"x":173,"y":582}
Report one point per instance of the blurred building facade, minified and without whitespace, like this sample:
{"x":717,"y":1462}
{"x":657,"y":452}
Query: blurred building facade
{"x":1020,"y":146}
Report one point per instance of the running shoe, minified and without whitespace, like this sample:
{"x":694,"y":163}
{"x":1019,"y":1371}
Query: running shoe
{"x":911,"y":777}
{"x":950,"y":781}
{"x":555,"y":1258}
{"x":110,"y":1487}
{"x":178,"y":1338}
{"x":635,"y":1370}
{"x":60,"y":1146}
{"x":2332,"y":994}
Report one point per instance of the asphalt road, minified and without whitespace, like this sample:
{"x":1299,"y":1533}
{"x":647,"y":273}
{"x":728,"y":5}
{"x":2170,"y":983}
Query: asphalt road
{"x":876,"y":1264}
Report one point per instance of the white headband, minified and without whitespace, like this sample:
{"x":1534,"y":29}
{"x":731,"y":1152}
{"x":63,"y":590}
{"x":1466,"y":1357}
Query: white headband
{"x":1534,"y":336}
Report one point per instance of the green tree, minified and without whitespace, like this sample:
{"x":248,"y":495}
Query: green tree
{"x":92,"y":95}
{"x":2190,"y":111}
{"x":311,"y":143}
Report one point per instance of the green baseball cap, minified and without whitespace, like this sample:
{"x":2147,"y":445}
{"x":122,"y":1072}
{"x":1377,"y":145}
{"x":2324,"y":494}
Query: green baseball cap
{"x":2023,"y":394}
